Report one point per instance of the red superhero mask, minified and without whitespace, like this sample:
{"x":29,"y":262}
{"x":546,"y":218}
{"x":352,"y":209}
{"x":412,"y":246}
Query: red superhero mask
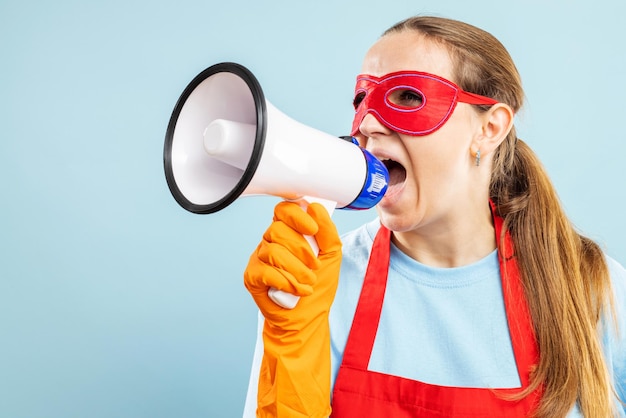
{"x":409,"y":102}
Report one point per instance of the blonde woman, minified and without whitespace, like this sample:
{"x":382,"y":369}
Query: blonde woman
{"x":471,"y":294}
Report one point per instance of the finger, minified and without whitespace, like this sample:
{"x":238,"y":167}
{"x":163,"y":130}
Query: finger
{"x":327,"y":236}
{"x":260,"y":276}
{"x":294,"y":216}
{"x":280,"y":258}
{"x":293,"y":241}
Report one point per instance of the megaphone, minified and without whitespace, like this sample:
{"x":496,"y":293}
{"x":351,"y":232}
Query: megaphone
{"x":224,"y":140}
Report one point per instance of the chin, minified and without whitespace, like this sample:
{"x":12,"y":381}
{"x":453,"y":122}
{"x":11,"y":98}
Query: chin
{"x":395,"y":222}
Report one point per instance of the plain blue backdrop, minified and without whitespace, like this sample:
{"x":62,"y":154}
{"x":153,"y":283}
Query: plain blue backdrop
{"x":114,"y":301}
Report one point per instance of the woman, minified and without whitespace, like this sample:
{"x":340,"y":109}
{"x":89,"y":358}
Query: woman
{"x":471,"y":294}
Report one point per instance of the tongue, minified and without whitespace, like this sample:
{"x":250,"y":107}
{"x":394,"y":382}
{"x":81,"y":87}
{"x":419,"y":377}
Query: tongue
{"x":397,"y":173}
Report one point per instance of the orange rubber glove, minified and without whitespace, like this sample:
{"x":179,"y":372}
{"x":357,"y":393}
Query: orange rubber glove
{"x":294,"y":380}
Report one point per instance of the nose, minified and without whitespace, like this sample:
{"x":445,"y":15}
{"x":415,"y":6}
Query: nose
{"x":370,"y":126}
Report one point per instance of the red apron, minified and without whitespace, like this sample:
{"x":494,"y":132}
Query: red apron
{"x":362,"y":393}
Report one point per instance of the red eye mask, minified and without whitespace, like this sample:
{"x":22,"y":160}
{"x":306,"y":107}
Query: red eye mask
{"x":409,"y":102}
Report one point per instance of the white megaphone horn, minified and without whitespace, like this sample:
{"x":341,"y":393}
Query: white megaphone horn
{"x":225,"y":141}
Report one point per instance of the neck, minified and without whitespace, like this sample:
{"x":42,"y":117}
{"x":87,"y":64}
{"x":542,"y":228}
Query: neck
{"x":453,"y":241}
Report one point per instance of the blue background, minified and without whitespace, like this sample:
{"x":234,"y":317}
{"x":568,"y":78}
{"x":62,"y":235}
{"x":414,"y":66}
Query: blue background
{"x":114,"y":301}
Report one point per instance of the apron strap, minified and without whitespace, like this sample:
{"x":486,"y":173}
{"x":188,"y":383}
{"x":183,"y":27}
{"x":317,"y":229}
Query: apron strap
{"x":367,"y":316}
{"x":523,"y":338}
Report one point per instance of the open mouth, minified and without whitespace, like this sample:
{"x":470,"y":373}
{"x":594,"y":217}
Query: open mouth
{"x":397,"y":172}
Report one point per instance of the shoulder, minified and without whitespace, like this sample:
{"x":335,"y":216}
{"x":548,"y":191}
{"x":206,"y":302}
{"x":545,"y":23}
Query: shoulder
{"x":617,"y":275}
{"x":357,"y":243}
{"x":614,"y":326}
{"x":617,"y":271}
{"x":364,"y":234}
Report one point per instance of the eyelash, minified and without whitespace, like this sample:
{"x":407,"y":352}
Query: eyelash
{"x":409,"y":96}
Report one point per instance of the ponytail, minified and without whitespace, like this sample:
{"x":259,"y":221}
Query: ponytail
{"x":566,"y":282}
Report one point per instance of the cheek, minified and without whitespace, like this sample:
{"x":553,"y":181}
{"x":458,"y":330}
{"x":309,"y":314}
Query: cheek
{"x":438,"y":159}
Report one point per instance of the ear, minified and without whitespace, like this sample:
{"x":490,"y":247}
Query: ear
{"x":496,"y":123}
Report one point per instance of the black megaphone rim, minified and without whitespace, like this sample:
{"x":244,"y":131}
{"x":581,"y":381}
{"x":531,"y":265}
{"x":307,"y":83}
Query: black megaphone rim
{"x":257,"y":150}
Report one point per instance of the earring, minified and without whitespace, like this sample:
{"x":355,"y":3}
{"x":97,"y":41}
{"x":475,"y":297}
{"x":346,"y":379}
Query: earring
{"x":477,"y":158}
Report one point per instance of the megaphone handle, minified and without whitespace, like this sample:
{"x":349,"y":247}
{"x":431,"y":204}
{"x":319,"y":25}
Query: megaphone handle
{"x":287,"y":300}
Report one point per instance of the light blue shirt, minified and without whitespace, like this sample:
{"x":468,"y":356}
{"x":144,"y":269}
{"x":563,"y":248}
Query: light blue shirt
{"x":443,"y":326}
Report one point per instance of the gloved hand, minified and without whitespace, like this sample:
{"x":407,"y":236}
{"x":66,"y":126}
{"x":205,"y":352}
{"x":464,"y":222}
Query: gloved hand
{"x":294,"y":379}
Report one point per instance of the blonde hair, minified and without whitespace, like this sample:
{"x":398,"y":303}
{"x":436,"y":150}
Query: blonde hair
{"x":564,"y":274}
